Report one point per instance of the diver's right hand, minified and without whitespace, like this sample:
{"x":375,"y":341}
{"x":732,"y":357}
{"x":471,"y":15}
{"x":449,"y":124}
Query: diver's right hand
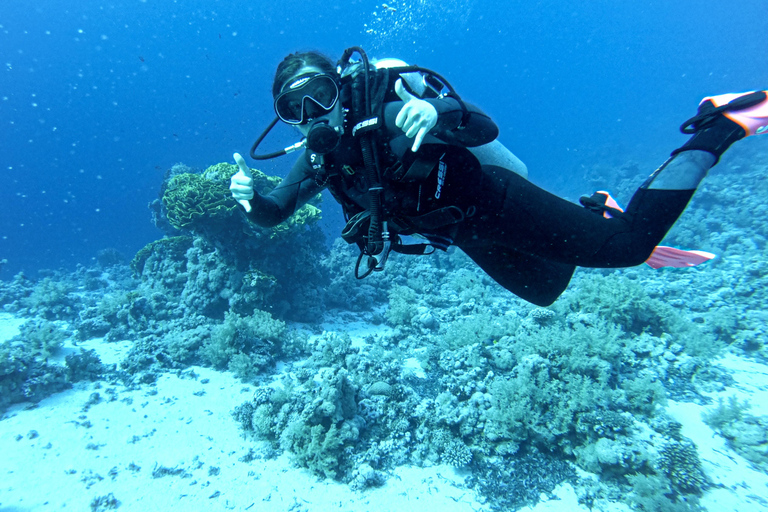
{"x":416,"y":118}
{"x":241,"y":183}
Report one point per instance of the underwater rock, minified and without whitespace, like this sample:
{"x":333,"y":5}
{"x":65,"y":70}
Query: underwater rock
{"x":425,"y":318}
{"x":380,"y":388}
{"x":365,"y":476}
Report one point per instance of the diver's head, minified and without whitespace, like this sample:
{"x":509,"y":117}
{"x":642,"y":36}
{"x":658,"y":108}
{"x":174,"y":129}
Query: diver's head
{"x":308,"y":96}
{"x":306,"y":91}
{"x":291,"y":67}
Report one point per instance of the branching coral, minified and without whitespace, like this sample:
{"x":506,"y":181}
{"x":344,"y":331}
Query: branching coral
{"x":679,"y":462}
{"x":244,"y":344}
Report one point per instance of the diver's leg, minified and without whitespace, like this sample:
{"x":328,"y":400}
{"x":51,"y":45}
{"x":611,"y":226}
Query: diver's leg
{"x":720,"y":121}
{"x":683,"y":171}
{"x":520,"y":216}
{"x":531,"y":278}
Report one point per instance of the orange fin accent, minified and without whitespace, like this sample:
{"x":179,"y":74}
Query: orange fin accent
{"x":663,"y":256}
{"x":609,"y":202}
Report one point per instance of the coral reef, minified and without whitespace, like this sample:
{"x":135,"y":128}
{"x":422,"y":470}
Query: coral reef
{"x":458,"y":373}
{"x":504,"y":384}
{"x":26,"y":372}
{"x":232,"y":265}
{"x":746,"y":434}
{"x":245,"y":345}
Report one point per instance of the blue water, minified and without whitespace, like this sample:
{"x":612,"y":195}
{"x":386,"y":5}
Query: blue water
{"x":97,"y":100}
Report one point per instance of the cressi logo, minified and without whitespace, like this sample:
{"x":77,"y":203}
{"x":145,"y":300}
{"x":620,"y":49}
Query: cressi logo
{"x":442,"y":170}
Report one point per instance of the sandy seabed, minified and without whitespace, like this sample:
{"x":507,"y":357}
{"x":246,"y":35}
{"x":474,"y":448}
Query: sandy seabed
{"x":175,"y":446}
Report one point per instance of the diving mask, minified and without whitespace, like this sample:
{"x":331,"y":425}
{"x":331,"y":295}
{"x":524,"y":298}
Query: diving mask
{"x":307,"y":97}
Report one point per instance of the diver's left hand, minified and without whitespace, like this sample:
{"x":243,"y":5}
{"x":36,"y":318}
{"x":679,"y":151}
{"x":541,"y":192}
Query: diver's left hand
{"x":241,"y":183}
{"x":416,"y":117}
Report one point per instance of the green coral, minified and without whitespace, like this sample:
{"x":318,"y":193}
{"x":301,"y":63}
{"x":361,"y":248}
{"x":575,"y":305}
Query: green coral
{"x":645,"y":393}
{"x":559,"y":375}
{"x":42,"y":338}
{"x":482,"y":327}
{"x":25,"y":371}
{"x":203,"y":203}
{"x":182,"y":345}
{"x":726,"y":414}
{"x":625,"y":302}
{"x":315,"y":421}
{"x":332,"y":348}
{"x":193,"y":200}
{"x":307,"y":214}
{"x":52,"y":299}
{"x":401,"y":309}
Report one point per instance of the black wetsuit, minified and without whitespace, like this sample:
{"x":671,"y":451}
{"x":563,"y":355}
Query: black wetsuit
{"x":528,"y":240}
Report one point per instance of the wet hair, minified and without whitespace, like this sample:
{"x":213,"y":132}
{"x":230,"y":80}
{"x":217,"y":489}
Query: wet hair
{"x":294,"y":62}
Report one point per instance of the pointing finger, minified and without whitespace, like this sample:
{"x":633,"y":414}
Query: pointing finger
{"x":419,"y":138}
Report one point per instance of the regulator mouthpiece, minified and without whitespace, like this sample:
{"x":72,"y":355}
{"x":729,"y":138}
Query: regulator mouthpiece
{"x":322,"y":138}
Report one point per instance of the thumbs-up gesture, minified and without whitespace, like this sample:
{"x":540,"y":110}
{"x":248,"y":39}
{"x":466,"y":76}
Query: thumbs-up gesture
{"x":241,"y":183}
{"x":416,"y":117}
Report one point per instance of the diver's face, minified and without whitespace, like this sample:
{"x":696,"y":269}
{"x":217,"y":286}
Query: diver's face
{"x":306,"y":104}
{"x":335,"y":119}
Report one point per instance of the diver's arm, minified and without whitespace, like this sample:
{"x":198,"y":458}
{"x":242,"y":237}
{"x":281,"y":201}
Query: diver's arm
{"x":476,"y":130}
{"x":292,"y":193}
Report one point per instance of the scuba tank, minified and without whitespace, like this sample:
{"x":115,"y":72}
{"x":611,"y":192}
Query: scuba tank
{"x":496,"y":153}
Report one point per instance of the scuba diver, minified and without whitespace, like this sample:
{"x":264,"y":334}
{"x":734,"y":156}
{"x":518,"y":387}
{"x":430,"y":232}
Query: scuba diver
{"x":404,"y":155}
